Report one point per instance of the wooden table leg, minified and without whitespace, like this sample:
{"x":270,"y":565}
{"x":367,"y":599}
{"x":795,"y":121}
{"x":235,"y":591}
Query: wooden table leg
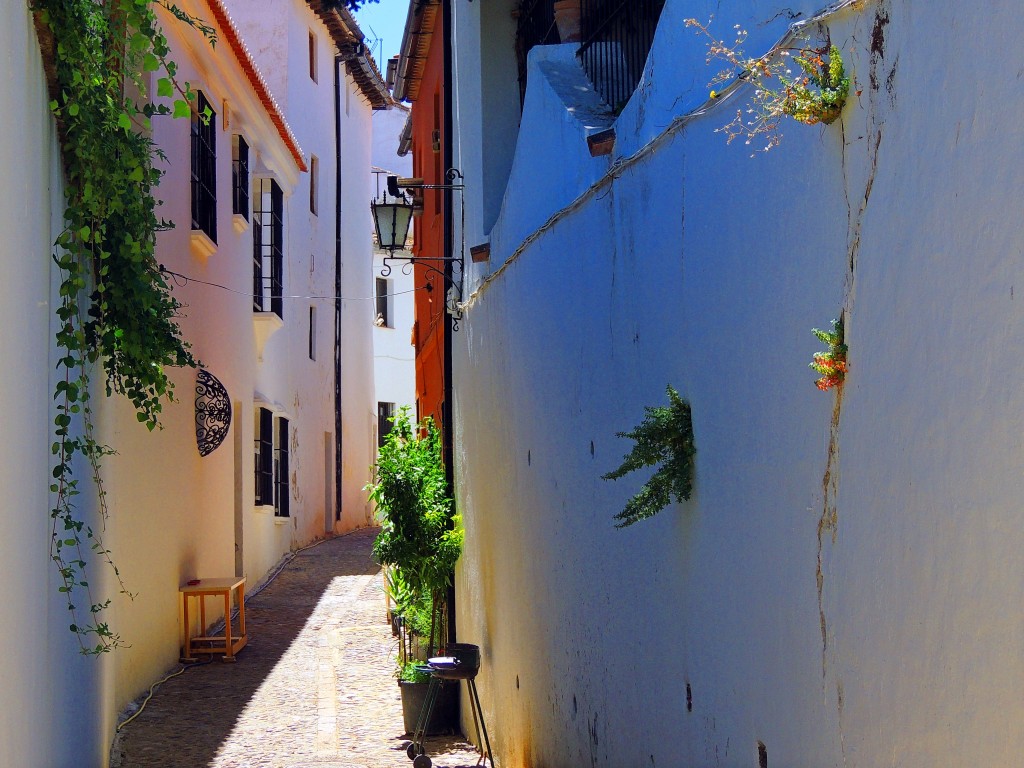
{"x":241,"y":611}
{"x":188,"y":631}
{"x":229,"y":653}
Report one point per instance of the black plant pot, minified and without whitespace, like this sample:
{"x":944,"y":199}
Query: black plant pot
{"x":444,"y":718}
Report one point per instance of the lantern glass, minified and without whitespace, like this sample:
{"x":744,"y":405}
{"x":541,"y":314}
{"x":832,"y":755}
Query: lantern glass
{"x":392,"y":222}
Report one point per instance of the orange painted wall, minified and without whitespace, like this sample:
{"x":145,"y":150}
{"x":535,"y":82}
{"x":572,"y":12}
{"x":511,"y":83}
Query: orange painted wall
{"x":428,"y":164}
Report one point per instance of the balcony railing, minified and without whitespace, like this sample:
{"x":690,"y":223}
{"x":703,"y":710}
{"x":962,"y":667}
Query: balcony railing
{"x":535,"y":26}
{"x":617,"y":36}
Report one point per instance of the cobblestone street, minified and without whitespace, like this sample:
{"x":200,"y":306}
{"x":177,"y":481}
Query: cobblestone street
{"x":314,"y":687}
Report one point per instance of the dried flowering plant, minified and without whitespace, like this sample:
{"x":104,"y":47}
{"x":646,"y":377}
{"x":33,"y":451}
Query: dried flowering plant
{"x":815,"y":94}
{"x":831,"y":364}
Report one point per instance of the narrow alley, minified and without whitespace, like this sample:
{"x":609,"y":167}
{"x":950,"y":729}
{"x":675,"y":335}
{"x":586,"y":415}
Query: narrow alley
{"x":313,"y":687}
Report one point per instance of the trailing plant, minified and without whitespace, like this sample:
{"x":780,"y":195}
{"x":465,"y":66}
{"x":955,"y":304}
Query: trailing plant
{"x":116,"y":309}
{"x":420,"y":533}
{"x":664,"y":439}
{"x":831,"y":363}
{"x":815,"y":94}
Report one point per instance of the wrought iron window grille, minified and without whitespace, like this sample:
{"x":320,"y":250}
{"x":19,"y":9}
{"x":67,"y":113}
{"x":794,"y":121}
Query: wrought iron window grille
{"x":282,"y":492}
{"x":268,"y":248}
{"x":240,"y":178}
{"x":204,"y":168}
{"x":213,"y":412}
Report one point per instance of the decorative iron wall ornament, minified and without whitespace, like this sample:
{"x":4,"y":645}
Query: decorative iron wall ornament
{"x":213,"y":412}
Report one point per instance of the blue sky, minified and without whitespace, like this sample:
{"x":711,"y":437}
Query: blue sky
{"x":382,"y":24}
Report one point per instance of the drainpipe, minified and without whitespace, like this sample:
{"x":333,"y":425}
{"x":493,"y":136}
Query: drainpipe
{"x":448,"y":437}
{"x":337,"y":290}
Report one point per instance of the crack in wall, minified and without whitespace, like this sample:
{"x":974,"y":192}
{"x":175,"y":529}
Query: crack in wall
{"x":828,"y":523}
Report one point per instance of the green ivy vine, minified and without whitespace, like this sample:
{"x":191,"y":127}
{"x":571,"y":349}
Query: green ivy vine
{"x":117,"y":314}
{"x":664,"y":439}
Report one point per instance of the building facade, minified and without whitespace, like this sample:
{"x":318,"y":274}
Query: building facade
{"x":841,"y":587}
{"x":421,"y":81}
{"x":270,"y":256}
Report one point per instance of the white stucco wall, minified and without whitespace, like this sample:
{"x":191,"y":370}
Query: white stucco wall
{"x":359,"y":404}
{"x":700,"y":267}
{"x":55,"y":705}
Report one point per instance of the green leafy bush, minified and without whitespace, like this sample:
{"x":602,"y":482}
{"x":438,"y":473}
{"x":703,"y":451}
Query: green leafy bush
{"x":664,"y":439}
{"x":420,"y":534}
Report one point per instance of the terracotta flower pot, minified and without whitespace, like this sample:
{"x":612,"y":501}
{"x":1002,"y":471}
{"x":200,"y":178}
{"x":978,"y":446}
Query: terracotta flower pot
{"x":567,"y":19}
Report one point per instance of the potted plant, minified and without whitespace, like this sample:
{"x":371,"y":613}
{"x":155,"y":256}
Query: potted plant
{"x":567,"y":20}
{"x":420,"y":536}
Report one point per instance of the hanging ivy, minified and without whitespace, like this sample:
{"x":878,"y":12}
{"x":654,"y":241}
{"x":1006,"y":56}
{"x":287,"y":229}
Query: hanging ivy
{"x":117,"y":315}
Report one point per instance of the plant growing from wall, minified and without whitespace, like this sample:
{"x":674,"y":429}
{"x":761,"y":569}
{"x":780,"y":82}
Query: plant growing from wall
{"x":830,"y":364}
{"x":664,"y":439}
{"x":815,"y":94}
{"x":420,"y":534}
{"x":116,"y":310}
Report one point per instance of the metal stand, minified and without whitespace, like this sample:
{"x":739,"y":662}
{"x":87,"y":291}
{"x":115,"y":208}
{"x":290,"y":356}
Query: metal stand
{"x":438,"y":677}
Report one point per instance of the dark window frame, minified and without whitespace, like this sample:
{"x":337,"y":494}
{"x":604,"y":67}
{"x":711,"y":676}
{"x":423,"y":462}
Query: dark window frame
{"x":264,"y":453}
{"x":268,"y":249}
{"x":385,"y":412}
{"x":282,"y":489}
{"x":240,"y":177}
{"x":312,"y":332}
{"x":313,"y":69}
{"x":381,"y":293}
{"x":203,"y":135}
{"x":314,"y":184}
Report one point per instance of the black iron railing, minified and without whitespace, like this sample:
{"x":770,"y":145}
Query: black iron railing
{"x":535,"y":26}
{"x":617,"y":36}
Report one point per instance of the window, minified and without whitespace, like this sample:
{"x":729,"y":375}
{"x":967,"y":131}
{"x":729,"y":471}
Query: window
{"x":268,"y":248}
{"x":281,"y":489}
{"x":383,"y":315}
{"x":312,"y":333}
{"x":240,"y":177}
{"x":264,"y":450}
{"x":204,"y":168}
{"x":312,"y":56}
{"x":271,"y":454}
{"x":314,"y":183}
{"x":385,"y":413}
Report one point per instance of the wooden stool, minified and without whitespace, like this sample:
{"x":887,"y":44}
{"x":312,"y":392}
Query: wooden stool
{"x":226,"y":644}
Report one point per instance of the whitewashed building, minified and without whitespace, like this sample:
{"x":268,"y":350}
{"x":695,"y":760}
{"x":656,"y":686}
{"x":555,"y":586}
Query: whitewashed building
{"x":843,"y":588}
{"x":262,"y":259}
{"x":52,"y":709}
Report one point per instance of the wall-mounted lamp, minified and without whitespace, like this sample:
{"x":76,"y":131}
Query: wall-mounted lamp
{"x":392,"y":218}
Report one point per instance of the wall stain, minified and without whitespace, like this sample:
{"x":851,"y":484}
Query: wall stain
{"x":877,"y":45}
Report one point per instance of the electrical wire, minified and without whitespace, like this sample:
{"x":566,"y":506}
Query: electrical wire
{"x":153,"y":688}
{"x":183,"y":280}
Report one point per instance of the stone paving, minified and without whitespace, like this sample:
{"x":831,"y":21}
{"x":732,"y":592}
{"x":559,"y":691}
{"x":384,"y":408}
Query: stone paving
{"x":314,"y":687}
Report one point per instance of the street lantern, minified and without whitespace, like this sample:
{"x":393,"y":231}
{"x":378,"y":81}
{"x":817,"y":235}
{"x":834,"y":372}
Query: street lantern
{"x":391,"y":218}
{"x":392,"y":221}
